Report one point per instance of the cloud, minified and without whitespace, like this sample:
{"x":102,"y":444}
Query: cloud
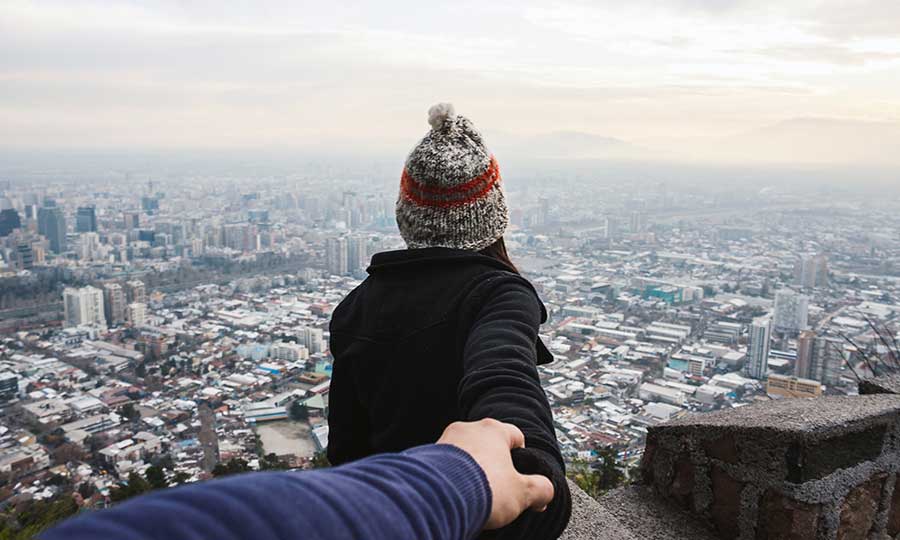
{"x":204,"y":74}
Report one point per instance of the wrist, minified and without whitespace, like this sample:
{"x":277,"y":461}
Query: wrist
{"x":464,"y":476}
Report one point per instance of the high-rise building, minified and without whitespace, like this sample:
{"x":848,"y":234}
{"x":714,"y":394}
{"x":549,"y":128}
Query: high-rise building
{"x":241,"y":236}
{"x":83,"y":307}
{"x":137,"y":313}
{"x":313,"y":339}
{"x":114,"y":303}
{"x":135,"y":291}
{"x":811,"y":271}
{"x":637,"y":222}
{"x":52,"y":224}
{"x":791,"y":311}
{"x":9,"y":221}
{"x":821,"y":270}
{"x":25,"y":256}
{"x":827,"y":359}
{"x":88,"y":246}
{"x":803,"y":365}
{"x":86,"y":219}
{"x":9,"y":385}
{"x":760,"y":343}
{"x":131,"y":220}
{"x":819,"y":358}
{"x":336,"y":256}
{"x":150,"y":204}
{"x":610,"y":228}
{"x":357,"y":254}
{"x":543,"y":211}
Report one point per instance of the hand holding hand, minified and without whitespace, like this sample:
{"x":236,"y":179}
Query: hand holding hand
{"x":489,"y":442}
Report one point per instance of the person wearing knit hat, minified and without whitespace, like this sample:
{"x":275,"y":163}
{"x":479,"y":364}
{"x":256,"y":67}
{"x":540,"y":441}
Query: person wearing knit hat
{"x":447,"y":329}
{"x":450,"y":191}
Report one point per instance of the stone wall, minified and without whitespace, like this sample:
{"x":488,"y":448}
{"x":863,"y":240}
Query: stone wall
{"x":821,"y":468}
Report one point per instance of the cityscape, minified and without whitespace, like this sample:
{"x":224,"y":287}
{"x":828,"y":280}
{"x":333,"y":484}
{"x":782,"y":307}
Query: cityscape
{"x":181,"y":325}
{"x":587,"y":270}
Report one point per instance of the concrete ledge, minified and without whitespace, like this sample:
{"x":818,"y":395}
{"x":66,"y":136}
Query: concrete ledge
{"x":631,"y":513}
{"x":793,"y":468}
{"x":591,"y":521}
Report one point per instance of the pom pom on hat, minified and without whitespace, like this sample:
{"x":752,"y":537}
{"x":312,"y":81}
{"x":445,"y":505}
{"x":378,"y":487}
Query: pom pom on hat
{"x":440,"y":113}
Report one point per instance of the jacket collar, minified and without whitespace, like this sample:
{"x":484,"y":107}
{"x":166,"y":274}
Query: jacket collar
{"x":411,"y":258}
{"x":408,"y":258}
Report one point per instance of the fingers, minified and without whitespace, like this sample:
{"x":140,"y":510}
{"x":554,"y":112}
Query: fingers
{"x":516,"y":438}
{"x":538,"y":491}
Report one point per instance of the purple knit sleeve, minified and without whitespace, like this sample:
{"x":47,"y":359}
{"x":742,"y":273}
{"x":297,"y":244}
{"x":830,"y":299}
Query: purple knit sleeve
{"x":430,"y":492}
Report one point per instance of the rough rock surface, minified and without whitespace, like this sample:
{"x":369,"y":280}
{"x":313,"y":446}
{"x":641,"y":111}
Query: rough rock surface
{"x":630,"y":513}
{"x":884,"y":384}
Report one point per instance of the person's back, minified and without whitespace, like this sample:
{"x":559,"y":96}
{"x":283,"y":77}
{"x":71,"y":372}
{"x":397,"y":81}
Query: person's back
{"x":399,"y":338}
{"x":441,"y":332}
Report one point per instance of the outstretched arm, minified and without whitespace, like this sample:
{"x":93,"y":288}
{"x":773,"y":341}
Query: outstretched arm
{"x":501,"y":381}
{"x":441,"y":491}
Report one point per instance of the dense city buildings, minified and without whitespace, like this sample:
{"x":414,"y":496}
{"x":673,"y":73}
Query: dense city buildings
{"x":184,"y":325}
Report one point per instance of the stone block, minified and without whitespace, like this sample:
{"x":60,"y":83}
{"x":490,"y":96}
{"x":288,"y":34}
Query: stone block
{"x":893,"y":524}
{"x":726,"y":504}
{"x":682,"y":487}
{"x":859,"y":509}
{"x":782,"y":467}
{"x":786,"y":519}
{"x":814,"y":460}
{"x":647,"y":461}
{"x":722,"y":448}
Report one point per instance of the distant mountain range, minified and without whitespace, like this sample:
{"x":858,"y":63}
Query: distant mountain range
{"x":817,"y":140}
{"x":797,"y":141}
{"x":563,"y":145}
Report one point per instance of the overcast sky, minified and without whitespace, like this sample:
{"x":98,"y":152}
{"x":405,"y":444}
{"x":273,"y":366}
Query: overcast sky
{"x":194,"y":74}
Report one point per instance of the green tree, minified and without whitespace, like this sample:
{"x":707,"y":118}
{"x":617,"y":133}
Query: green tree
{"x":135,"y":486}
{"x":597,"y":477}
{"x":56,"y":480}
{"x":271,"y":462}
{"x":232,"y":466}
{"x":320,"y":461}
{"x":86,"y":490}
{"x":166,"y":462}
{"x":156,"y":477}
{"x":130,"y":412}
{"x":299,"y":411}
{"x":33,"y":517}
{"x":180,"y":477}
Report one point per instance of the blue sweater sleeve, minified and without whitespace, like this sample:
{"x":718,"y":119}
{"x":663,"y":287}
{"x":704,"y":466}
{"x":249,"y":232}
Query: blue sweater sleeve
{"x":428,"y":492}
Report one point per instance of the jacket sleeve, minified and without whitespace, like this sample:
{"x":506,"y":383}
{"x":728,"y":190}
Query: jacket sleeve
{"x":431,"y":492}
{"x":501,"y":381}
{"x":347,"y":422}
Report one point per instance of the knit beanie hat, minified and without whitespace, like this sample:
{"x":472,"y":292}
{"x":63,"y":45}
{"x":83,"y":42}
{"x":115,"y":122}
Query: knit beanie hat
{"x":450,"y":193}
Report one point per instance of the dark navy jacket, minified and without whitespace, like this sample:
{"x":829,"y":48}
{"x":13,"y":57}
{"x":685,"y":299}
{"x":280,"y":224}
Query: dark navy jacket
{"x":437,"y":335}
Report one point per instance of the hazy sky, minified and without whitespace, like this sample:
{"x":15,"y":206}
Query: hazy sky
{"x":132,"y":74}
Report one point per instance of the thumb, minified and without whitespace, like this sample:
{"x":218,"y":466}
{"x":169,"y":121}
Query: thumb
{"x":538,"y":491}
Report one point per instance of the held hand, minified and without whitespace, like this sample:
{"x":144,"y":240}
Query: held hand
{"x":489,"y":442}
